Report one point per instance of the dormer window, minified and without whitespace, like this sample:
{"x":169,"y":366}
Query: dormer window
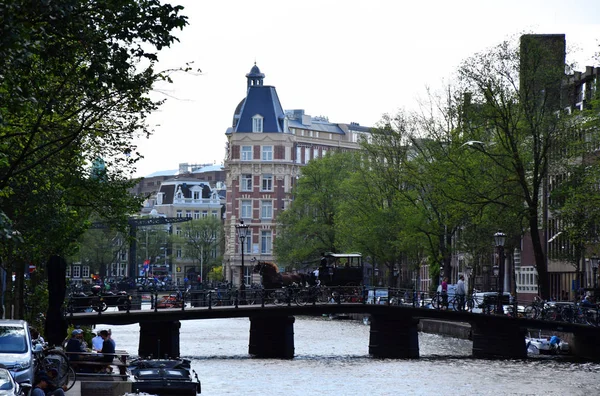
{"x":257,"y":123}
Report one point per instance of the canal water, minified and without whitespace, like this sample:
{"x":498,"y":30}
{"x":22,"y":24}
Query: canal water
{"x":331,"y":358}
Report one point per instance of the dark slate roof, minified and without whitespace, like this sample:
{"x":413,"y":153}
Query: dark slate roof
{"x":263,"y":100}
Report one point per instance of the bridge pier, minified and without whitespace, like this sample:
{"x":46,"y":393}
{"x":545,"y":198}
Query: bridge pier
{"x":272,"y":337}
{"x":585,"y":344}
{"x":159,"y":339}
{"x":492,"y":339}
{"x":394,"y":337}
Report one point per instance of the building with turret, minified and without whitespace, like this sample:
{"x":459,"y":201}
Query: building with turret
{"x":266,"y":148}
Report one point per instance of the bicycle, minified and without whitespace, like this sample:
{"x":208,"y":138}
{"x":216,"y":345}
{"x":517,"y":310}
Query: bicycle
{"x":312,"y":295}
{"x":54,"y":361}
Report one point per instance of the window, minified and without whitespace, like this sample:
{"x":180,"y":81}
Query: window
{"x":267,"y":153}
{"x":178,"y":253}
{"x":188,"y":214}
{"x":246,"y":207}
{"x":197,"y":195}
{"x":196,"y":214}
{"x":123,"y":256}
{"x":204,"y":213}
{"x":214,"y":213}
{"x":85,"y":271}
{"x":266,"y":210}
{"x":298,"y":154}
{"x":315,"y":153}
{"x":76,"y":271}
{"x":248,"y":244}
{"x":267,"y":183}
{"x":246,"y":182}
{"x":265,"y":242}
{"x":246,"y":153}
{"x":178,"y":231}
{"x":257,"y":123}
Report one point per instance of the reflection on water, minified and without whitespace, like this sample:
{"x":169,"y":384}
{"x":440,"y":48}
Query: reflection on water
{"x":331,"y":358}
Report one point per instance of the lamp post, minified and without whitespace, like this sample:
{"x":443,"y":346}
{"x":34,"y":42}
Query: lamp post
{"x":594,"y":260}
{"x":242,"y":232}
{"x":500,"y":238}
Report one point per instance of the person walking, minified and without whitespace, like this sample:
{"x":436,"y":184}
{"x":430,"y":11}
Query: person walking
{"x":445,"y":293}
{"x":460,"y":292}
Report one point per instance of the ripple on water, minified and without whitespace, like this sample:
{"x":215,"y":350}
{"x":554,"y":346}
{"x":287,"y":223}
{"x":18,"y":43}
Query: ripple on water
{"x":332,"y":359}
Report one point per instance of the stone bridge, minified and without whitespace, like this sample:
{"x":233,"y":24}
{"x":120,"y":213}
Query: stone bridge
{"x":393,"y":332}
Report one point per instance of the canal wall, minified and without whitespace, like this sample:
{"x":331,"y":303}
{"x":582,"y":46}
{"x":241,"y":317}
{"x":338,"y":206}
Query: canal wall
{"x":463,"y":330}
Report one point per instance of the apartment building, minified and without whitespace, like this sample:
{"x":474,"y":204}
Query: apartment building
{"x":267,"y":146}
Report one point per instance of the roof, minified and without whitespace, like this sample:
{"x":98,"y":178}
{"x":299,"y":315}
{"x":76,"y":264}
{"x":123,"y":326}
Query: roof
{"x":164,"y":173}
{"x":262,"y":100}
{"x":211,"y":168}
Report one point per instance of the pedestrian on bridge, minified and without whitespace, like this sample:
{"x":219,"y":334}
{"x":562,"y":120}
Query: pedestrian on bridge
{"x":460,"y":292}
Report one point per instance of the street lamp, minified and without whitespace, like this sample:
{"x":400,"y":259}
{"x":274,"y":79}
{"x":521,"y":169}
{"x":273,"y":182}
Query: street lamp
{"x":594,"y":260}
{"x":242,"y":232}
{"x":500,"y":238}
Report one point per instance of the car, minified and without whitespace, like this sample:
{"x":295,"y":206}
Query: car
{"x":8,"y":386}
{"x":16,"y":349}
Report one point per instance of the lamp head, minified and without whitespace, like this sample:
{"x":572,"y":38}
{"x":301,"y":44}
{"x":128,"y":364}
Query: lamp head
{"x":500,"y":238}
{"x":594,"y":261}
{"x":496,"y":270}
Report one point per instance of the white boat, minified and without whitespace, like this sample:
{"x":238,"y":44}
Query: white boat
{"x":546,"y":345}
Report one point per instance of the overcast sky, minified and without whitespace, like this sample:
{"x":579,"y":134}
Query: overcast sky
{"x":351,"y":61}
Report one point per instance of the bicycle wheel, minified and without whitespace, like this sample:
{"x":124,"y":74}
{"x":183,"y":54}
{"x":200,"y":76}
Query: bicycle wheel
{"x":302,"y":297}
{"x":530,"y":312}
{"x":470,"y":304}
{"x":279,"y":297}
{"x":70,"y":379}
{"x":57,"y":362}
{"x":436,"y":301}
{"x":323,"y":296}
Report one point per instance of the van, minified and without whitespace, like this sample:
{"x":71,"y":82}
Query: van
{"x":485,"y":301}
{"x":16,"y":352}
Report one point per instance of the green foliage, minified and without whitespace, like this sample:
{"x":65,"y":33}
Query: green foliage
{"x":199,"y":239}
{"x":76,"y":78}
{"x":308,"y":226}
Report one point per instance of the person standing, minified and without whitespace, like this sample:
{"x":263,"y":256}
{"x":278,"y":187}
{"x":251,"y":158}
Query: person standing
{"x":460,"y":292}
{"x":445,"y":293}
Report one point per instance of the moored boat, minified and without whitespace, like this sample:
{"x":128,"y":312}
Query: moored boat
{"x":164,"y":377}
{"x":542,"y":345}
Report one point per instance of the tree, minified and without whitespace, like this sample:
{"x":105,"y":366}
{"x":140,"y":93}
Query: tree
{"x":515,"y":96}
{"x":76,"y":77}
{"x":307,"y":227}
{"x":202,"y":240}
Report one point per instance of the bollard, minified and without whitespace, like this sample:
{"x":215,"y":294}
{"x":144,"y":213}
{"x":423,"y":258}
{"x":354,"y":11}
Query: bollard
{"x":128,"y":303}
{"x":155,"y":301}
{"x":183,"y":300}
{"x":236,"y":298}
{"x":210,"y":299}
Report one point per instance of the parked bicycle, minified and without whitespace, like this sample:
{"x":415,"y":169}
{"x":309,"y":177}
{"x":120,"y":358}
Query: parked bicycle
{"x":55,"y":363}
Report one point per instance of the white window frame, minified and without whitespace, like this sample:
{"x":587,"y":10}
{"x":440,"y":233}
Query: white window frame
{"x":266,"y":153}
{"x":204,"y":214}
{"x":196,"y":214}
{"x":266,"y":209}
{"x":266,"y":242}
{"x":257,"y":123}
{"x":266,"y":183}
{"x":85,"y":271}
{"x":76,"y":271}
{"x":246,"y":209}
{"x":246,"y":153}
{"x":179,"y":213}
{"x":298,"y":154}
{"x":246,"y":184}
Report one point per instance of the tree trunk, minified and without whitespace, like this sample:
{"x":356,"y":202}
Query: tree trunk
{"x":540,"y":258}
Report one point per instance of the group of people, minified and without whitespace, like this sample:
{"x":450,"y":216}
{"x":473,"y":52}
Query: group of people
{"x":460,"y":292}
{"x":102,"y":343}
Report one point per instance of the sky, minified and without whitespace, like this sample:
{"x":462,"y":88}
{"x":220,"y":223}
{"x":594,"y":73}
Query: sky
{"x":351,"y":61}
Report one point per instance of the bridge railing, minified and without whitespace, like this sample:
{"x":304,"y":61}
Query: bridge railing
{"x":481,"y":303}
